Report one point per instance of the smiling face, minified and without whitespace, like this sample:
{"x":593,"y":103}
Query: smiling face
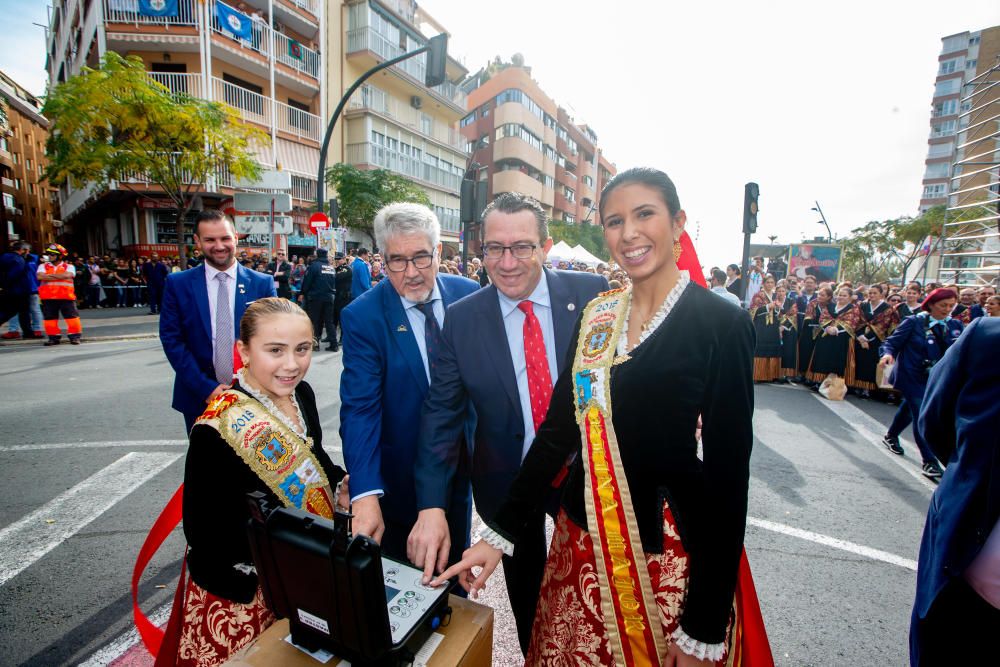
{"x":993,"y":306}
{"x":278,"y":355}
{"x":217,"y":240}
{"x":985,"y":293}
{"x":640,"y":231}
{"x":516,"y":278}
{"x":844,"y":296}
{"x":968,"y":296}
{"x":413,"y":284}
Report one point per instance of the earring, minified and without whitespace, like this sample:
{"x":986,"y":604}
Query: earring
{"x":677,"y":251}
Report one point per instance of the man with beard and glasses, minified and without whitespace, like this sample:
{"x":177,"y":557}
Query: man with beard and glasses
{"x":392,"y":342}
{"x":200,"y":315}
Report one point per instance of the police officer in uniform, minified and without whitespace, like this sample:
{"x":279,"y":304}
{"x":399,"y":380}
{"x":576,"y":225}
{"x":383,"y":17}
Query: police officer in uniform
{"x":344,"y":277}
{"x":318,"y":289}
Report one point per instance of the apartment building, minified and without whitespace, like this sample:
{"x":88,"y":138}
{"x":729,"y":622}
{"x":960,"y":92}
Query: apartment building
{"x":29,"y":211}
{"x":961,"y":59}
{"x":526,"y":142}
{"x":394,"y":121}
{"x":273,"y":74}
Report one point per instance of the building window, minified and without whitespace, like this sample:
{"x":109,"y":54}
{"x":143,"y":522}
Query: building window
{"x":27,"y":163}
{"x":519,"y":131}
{"x":519,"y":96}
{"x":936,"y":191}
{"x":946,"y":108}
{"x":15,"y":157}
{"x":946,"y":87}
{"x":570,"y":194}
{"x":31,"y":188}
{"x":945,"y":129}
{"x":973,"y":40}
{"x":568,"y":218}
{"x":3,"y":145}
{"x":484,"y":111}
{"x":8,"y":201}
{"x":468,"y":120}
{"x":588,"y":181}
{"x":948,"y":66}
{"x":937,"y":170}
{"x":17,"y":183}
{"x":427,"y":125}
{"x":971,"y":64}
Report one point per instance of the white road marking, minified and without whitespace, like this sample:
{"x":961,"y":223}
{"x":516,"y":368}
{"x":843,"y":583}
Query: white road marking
{"x":872,"y":430}
{"x":826,"y":540}
{"x":93,"y":445}
{"x":126,"y":640}
{"x":25,"y":541}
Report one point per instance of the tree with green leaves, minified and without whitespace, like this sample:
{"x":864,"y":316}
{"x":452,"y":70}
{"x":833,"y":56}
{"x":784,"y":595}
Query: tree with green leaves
{"x":884,"y":250}
{"x":117,"y":125}
{"x":361,"y":193}
{"x":591,"y":237}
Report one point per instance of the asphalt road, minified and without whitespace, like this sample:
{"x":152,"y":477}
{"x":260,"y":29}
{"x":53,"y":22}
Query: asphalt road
{"x":92,"y":451}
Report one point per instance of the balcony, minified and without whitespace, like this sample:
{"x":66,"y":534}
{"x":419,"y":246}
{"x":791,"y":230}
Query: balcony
{"x":287,"y":51}
{"x":179,"y":84}
{"x":380,"y":156}
{"x":364,"y":39}
{"x":297,"y":122}
{"x":251,"y":106}
{"x":370,"y":98}
{"x":8,"y":184}
{"x":127,"y":11}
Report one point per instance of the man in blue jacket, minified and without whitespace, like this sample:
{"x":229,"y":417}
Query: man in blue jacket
{"x":361,"y":280}
{"x":15,"y":286}
{"x":391,"y":337}
{"x":486,"y":363}
{"x":956,"y":612}
{"x":200,"y":319}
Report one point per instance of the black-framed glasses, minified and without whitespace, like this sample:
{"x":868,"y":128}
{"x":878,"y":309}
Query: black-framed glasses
{"x":518,"y":250}
{"x":421,"y":261}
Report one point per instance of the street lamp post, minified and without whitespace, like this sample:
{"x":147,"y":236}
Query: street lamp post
{"x":829,"y":234}
{"x":436,"y":48}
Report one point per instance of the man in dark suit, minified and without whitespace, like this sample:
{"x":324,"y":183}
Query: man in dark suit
{"x":200,"y":317}
{"x":155,"y":273}
{"x":282,"y":272}
{"x":956,"y":612}
{"x":503,"y":349}
{"x":343,"y":279}
{"x":391,"y":342}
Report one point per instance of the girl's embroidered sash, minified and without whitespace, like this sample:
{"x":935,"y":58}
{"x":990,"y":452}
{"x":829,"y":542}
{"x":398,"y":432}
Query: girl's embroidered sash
{"x":631,"y":616}
{"x":276,"y":454}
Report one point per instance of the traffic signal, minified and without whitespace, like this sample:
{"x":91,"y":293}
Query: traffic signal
{"x":334,"y":211}
{"x":750,"y":193}
{"x":437,"y":57}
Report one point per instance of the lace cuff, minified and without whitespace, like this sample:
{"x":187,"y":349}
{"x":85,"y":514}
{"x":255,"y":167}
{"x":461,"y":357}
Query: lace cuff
{"x":496,"y":540}
{"x":697,"y":649}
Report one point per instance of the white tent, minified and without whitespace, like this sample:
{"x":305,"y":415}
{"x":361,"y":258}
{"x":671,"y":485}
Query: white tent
{"x":581,"y":254}
{"x":561,"y":252}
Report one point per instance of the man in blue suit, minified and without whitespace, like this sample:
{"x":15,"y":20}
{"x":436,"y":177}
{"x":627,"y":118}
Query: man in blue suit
{"x":485,"y":361}
{"x":391,"y":341}
{"x":361,"y":274}
{"x":915,"y":346}
{"x":956,"y":612}
{"x":200,"y":315}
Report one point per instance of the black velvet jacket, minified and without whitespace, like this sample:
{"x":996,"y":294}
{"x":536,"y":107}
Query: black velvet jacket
{"x":698,"y":362}
{"x":216,"y":484}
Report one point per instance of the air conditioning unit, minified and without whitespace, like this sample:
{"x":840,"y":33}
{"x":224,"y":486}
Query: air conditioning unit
{"x":416,"y":102}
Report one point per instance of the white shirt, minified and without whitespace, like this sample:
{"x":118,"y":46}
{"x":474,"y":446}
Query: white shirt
{"x":726,"y":294}
{"x":417,"y":322}
{"x":212,"y":285}
{"x":513,"y":322}
{"x":754,"y":281}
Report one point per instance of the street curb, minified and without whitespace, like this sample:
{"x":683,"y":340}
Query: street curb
{"x":88,"y":339}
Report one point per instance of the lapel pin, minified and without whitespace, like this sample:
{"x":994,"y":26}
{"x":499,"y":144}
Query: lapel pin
{"x":570,"y":306}
{"x":242,"y":289}
{"x":401,"y":328}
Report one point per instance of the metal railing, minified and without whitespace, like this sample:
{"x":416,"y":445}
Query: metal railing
{"x":298,"y":122}
{"x":375,"y":99}
{"x":260,"y":40}
{"x":179,"y":84}
{"x":127,"y":11}
{"x":303,"y":188}
{"x":252,"y":106}
{"x":295,"y":55}
{"x":311,"y":6}
{"x":369,"y":153}
{"x":368,"y":39}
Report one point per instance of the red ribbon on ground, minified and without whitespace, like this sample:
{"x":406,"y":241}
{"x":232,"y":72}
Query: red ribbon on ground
{"x":169,"y":519}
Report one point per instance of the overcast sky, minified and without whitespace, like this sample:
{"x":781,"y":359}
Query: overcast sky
{"x":813,"y":101}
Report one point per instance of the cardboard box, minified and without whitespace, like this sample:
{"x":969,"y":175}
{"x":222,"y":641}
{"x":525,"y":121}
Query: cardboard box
{"x":466,"y":641}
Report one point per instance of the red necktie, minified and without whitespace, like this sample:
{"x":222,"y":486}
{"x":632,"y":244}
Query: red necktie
{"x":539,"y":377}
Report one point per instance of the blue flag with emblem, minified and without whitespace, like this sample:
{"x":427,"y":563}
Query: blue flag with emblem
{"x":233,"y":21}
{"x":158,"y":7}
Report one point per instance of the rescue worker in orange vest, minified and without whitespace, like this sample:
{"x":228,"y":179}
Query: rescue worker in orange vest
{"x":55,"y":289}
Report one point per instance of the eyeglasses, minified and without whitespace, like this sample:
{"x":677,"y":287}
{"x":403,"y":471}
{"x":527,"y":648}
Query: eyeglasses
{"x":421,"y":261}
{"x":518,"y":250}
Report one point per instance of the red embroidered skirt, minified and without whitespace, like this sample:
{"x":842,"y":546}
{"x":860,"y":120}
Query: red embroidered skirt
{"x":213,"y":628}
{"x":569,"y":622}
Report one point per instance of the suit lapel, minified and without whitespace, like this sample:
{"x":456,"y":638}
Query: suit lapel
{"x":399,"y":332}
{"x":200,"y":289}
{"x":563,"y":319}
{"x":495,"y":336}
{"x":242,"y":287}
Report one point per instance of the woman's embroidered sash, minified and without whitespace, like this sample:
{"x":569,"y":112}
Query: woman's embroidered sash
{"x":282,"y":459}
{"x":631,"y":616}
